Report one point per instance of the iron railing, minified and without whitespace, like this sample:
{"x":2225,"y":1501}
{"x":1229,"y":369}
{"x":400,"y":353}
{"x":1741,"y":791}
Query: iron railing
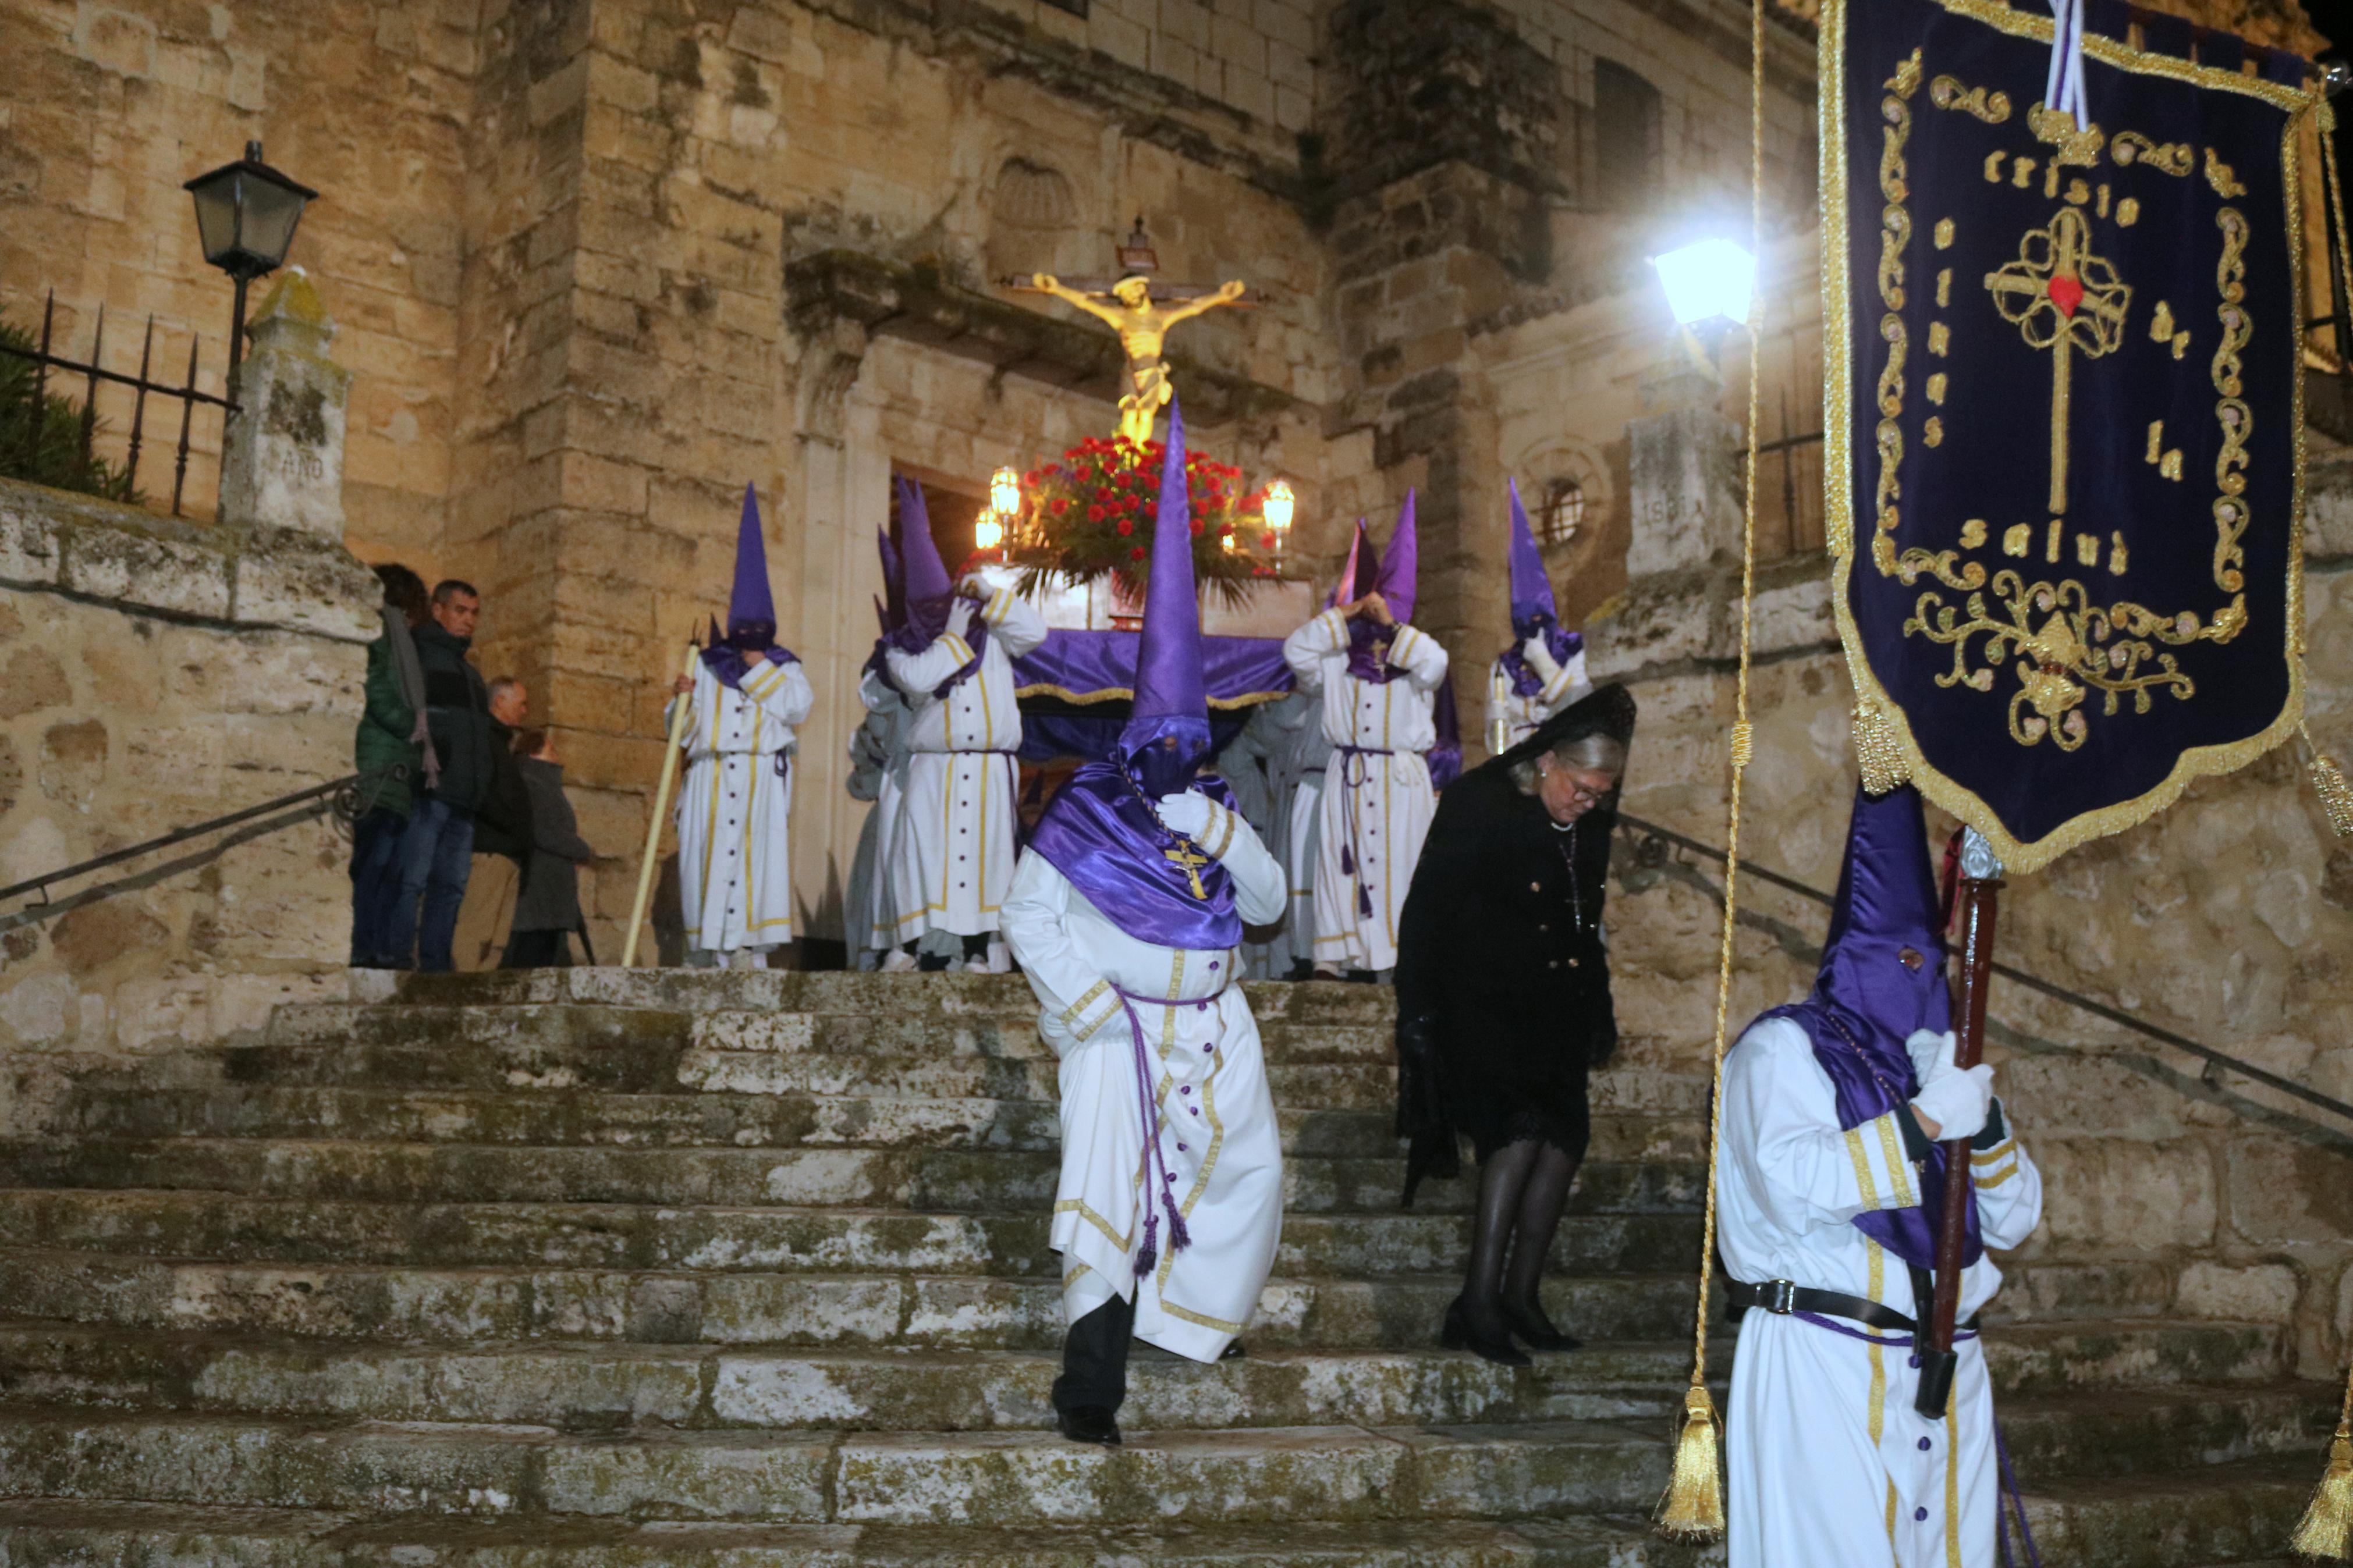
{"x":92,"y":373}
{"x":1654,"y":843}
{"x":340,"y":798}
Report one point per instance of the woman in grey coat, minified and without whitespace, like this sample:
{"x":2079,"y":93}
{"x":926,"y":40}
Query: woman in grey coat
{"x":547,"y":910}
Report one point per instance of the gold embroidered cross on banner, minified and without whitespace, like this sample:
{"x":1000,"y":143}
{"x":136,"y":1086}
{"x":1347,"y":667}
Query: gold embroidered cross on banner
{"x":1191,"y":860}
{"x":2063,"y":298}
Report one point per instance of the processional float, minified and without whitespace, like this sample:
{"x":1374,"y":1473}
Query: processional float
{"x":2064,"y":304}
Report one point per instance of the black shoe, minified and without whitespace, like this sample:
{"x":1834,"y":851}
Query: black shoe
{"x":1090,"y":1424}
{"x":1529,"y":1324}
{"x":1456,"y":1335}
{"x":1300,"y":969}
{"x":1233,"y":1351}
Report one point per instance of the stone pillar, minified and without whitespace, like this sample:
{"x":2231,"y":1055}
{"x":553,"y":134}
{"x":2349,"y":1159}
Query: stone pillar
{"x":1683,"y":565}
{"x":283,"y":462}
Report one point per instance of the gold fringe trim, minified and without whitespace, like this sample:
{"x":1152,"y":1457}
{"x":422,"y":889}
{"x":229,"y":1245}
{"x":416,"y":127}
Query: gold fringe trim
{"x":2328,"y":782}
{"x":2326,"y":1531}
{"x":1878,"y":752}
{"x":1693,"y":1509}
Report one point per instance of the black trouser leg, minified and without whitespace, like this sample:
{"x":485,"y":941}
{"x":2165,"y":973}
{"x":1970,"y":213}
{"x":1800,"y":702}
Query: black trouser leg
{"x":1502,"y":1182}
{"x":536,"y":950}
{"x":1541,"y":1202}
{"x":1095,"y":1357}
{"x":975,"y":947}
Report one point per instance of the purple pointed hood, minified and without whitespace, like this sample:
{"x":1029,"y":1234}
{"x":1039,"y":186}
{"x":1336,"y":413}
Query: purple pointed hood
{"x":1102,"y":829}
{"x":1881,"y":977}
{"x":1356,"y":573}
{"x":1398,"y":564}
{"x":924,"y":580}
{"x":1531,"y":588}
{"x":1534,"y":611}
{"x":751,"y":605}
{"x":1168,"y":732}
{"x":894,"y":581}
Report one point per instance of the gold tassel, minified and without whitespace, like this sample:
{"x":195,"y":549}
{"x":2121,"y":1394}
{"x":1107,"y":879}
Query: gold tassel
{"x":2326,"y":1531}
{"x":2336,"y":795}
{"x":1693,"y":1509}
{"x":1743,"y":744}
{"x":1876,"y":752}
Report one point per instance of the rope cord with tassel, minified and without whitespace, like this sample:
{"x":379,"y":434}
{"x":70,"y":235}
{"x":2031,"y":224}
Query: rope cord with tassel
{"x":1692,"y":1507}
{"x":2326,"y":1529}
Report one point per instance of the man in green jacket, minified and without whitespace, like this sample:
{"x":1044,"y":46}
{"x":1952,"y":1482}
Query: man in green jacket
{"x":391,"y":760}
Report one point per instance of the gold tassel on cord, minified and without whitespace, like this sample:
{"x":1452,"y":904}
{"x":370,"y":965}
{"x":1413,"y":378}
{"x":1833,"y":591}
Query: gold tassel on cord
{"x":2326,"y":1531}
{"x":1876,"y":754}
{"x":2336,"y":795}
{"x":1693,"y":1509}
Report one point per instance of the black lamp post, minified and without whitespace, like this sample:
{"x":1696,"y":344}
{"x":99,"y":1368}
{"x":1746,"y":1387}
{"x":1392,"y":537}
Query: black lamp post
{"x":246,"y":214}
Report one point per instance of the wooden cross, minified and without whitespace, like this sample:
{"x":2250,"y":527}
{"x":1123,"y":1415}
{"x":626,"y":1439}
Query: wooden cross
{"x":2063,"y":298}
{"x":1192,"y":860}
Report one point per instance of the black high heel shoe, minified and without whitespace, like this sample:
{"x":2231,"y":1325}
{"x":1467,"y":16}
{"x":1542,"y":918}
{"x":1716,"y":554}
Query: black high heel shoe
{"x":1456,"y":1335}
{"x":1530,"y":1324}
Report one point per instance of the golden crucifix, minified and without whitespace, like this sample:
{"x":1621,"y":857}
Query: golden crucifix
{"x":1191,"y":860}
{"x":1143,"y":328}
{"x":2065,"y":299}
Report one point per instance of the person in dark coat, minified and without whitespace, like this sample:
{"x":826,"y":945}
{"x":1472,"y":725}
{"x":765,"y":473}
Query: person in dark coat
{"x":503,"y":822}
{"x":1504,"y":1003}
{"x":437,"y":849}
{"x":388,"y":751}
{"x":547,"y":910}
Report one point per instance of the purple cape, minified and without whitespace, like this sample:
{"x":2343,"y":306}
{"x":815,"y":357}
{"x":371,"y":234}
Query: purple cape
{"x":1562,"y":642}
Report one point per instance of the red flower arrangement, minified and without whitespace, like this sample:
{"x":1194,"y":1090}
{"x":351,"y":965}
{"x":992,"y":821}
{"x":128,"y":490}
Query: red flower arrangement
{"x":1091,"y":514}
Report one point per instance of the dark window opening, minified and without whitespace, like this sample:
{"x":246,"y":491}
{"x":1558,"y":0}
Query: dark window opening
{"x":1625,"y":139}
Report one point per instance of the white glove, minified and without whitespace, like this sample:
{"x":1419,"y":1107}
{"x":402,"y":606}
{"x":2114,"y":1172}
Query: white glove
{"x":1187,"y":813}
{"x":959,"y":615}
{"x":1932,"y":1054}
{"x":1958,"y":1102}
{"x":1540,"y":659}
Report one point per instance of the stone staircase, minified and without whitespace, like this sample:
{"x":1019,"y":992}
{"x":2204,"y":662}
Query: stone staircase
{"x":595,"y":1268}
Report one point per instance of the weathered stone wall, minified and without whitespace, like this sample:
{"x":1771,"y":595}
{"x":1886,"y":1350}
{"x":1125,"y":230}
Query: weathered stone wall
{"x":2228,"y":919}
{"x":153,"y":675}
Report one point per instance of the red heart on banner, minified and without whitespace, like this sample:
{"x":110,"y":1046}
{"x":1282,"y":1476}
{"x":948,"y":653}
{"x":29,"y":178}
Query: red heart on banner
{"x":2065,"y":293}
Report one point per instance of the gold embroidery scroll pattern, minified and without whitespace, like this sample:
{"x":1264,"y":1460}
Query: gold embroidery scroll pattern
{"x":2078,"y":648}
{"x":2230,"y":410}
{"x":1946,"y":92}
{"x":2078,"y":145}
{"x":2222,"y":177}
{"x":2131,"y":147}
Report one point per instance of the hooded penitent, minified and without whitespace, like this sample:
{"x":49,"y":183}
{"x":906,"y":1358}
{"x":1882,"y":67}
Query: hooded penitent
{"x":1357,"y":574}
{"x":1533,"y":612}
{"x":890,"y":609}
{"x":927,"y":590}
{"x":750,"y":608}
{"x":1101,"y":829}
{"x":1369,"y":641}
{"x":1883,"y":977}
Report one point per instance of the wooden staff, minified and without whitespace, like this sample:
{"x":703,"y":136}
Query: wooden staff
{"x":677,"y":738}
{"x":1979,"y":897}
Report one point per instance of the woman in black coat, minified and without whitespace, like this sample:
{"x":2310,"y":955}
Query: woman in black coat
{"x":1503,"y":1002}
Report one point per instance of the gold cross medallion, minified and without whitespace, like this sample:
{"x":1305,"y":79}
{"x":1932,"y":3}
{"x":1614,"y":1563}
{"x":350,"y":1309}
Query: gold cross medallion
{"x":1192,"y":860}
{"x":2063,"y":298}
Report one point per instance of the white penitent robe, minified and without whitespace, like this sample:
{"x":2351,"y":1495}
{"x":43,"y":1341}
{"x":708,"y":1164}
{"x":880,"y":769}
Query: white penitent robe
{"x":876,"y":749}
{"x":1377,"y":799}
{"x":1215,"y":1121}
{"x":1246,"y":764}
{"x":1522,"y":715}
{"x":735,"y":855}
{"x":1827,"y":1463}
{"x":950,"y":857}
{"x":1290,"y":734}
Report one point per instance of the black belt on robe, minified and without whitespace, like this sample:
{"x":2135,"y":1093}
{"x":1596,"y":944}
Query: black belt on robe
{"x":1783,"y":1297}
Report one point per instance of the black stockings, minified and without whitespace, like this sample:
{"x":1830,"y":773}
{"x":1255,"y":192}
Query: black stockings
{"x":1523,"y":1188}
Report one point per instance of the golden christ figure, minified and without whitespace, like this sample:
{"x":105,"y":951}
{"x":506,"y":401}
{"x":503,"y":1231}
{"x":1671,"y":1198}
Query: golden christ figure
{"x":1143,"y":328}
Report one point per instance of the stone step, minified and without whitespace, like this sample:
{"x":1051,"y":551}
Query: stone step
{"x":592,"y":1118}
{"x":590,"y":1027}
{"x":2239,"y":1514}
{"x":45,"y":1534}
{"x":940,"y":995}
{"x":241,"y":1227}
{"x":597,"y":1388}
{"x":915,"y":1311}
{"x":572,"y":1386}
{"x":930,"y":1180}
{"x":1016,"y":1478}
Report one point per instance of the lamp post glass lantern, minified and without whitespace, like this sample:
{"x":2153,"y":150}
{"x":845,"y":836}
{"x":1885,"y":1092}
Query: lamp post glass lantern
{"x":245,"y":215}
{"x":1709,"y":287}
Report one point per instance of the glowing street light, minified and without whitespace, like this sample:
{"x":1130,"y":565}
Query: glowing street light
{"x":989,"y":529}
{"x":1708,"y":282}
{"x":1005,"y":492}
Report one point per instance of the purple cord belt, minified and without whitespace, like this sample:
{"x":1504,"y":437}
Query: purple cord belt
{"x":1158,"y":1201}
